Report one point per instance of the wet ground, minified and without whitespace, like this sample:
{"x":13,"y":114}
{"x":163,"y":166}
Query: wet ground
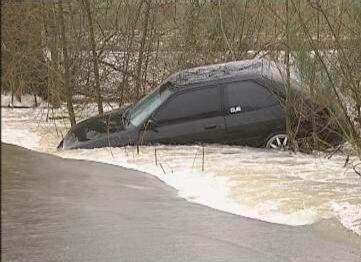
{"x":66,"y":210}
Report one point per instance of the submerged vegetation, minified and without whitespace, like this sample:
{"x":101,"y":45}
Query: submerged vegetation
{"x":104,"y":51}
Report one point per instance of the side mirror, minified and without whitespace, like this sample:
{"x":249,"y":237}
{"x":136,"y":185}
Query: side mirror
{"x":151,"y":125}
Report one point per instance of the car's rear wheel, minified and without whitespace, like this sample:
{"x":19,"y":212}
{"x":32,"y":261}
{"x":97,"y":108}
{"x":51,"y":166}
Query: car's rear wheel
{"x":278,"y":142}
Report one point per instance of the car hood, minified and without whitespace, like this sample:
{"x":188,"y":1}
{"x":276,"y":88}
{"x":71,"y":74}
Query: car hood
{"x":94,"y":128}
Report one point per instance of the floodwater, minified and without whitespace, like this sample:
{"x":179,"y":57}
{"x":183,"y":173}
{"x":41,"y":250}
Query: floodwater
{"x":278,"y":187}
{"x":57,"y":209}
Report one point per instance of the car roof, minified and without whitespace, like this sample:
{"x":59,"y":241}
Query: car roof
{"x":257,"y":69}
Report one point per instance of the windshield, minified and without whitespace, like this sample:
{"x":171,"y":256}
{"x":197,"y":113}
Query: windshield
{"x":146,"y":106}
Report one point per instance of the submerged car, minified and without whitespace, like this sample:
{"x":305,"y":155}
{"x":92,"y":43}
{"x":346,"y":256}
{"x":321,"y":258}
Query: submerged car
{"x":240,"y":103}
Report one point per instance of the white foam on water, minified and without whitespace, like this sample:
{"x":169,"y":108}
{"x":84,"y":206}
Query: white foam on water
{"x":278,"y":187}
{"x":24,"y":138}
{"x":349,"y":215}
{"x":305,"y":192}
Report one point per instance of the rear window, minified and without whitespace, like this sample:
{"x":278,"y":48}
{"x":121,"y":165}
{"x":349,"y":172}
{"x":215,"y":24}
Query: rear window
{"x":248,"y":95}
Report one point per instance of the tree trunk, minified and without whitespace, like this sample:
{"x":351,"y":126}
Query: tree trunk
{"x":288,"y":106}
{"x":95,"y":56}
{"x":49,"y":22}
{"x":68,"y":88}
{"x":129,"y":43}
{"x":141,"y":50}
{"x":35,"y":101}
{"x":12,"y":97}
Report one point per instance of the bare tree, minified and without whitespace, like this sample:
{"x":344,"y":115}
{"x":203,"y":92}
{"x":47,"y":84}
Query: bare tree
{"x":141,"y":48}
{"x":95,"y":55}
{"x":66,"y":61}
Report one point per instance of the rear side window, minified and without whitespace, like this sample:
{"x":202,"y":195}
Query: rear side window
{"x":192,"y":104}
{"x":248,"y":96}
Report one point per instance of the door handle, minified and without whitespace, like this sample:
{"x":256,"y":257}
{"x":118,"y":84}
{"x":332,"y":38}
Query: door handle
{"x":210,"y":126}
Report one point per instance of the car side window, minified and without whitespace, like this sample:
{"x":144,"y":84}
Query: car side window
{"x":191,"y":104}
{"x":247,"y":96}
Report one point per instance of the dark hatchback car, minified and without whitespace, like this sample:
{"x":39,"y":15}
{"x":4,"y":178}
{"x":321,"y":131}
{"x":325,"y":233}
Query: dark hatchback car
{"x":238,"y":103}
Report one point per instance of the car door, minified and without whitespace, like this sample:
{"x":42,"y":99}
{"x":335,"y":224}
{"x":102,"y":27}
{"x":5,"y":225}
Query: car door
{"x":252,"y":113}
{"x":190,"y":116}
